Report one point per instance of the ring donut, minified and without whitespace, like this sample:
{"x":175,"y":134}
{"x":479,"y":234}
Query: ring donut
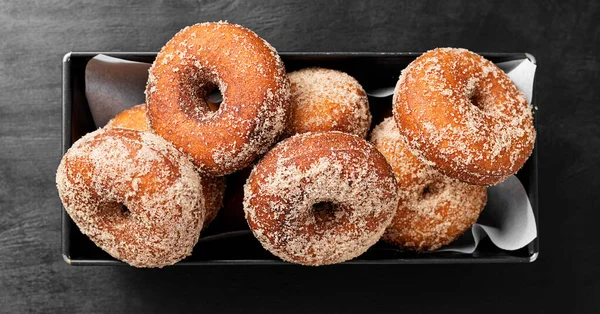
{"x":134,"y":195}
{"x":433,"y":210}
{"x":252,"y":79}
{"x":320,"y":198}
{"x":461,"y":114}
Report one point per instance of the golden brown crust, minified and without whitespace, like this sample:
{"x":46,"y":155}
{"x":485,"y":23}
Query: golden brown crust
{"x":327,"y":100}
{"x":433,"y":210}
{"x":343,"y":173}
{"x":461,"y":114}
{"x":213,"y":188}
{"x":133,"y":118}
{"x":251,"y":78}
{"x":111,"y":168}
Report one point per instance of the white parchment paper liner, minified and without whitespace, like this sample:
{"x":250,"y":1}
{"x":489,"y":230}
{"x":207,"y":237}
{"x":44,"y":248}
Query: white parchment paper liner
{"x":113,"y":85}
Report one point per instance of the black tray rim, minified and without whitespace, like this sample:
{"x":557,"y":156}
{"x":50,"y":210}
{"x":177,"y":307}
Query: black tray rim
{"x":66,"y":140}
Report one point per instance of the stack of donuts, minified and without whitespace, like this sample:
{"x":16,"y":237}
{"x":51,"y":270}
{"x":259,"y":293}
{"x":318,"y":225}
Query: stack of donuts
{"x":144,"y":186}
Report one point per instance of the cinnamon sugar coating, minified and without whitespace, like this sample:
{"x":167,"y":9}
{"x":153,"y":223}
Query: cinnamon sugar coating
{"x":134,"y":195}
{"x":252,"y":79}
{"x":461,"y":114}
{"x":320,"y":198}
{"x":213,"y":188}
{"x":433,"y":210}
{"x":327,"y":100}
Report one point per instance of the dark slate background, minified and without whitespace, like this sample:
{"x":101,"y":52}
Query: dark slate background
{"x":564,"y":37}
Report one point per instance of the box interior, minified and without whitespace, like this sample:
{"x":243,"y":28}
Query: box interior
{"x":227,"y":240}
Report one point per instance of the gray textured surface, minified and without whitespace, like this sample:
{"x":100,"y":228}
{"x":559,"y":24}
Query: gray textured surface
{"x":563,"y":37}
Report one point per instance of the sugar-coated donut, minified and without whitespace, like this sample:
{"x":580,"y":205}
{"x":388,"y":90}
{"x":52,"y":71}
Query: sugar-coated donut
{"x":320,"y":198}
{"x":213,"y":188}
{"x":463,"y":115}
{"x":252,"y":79}
{"x":327,"y":100}
{"x":433,"y":210}
{"x":134,"y":195}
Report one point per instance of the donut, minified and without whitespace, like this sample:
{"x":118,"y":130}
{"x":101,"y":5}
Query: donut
{"x":252,"y":79}
{"x":461,"y":114}
{"x":327,"y":100}
{"x":134,"y":118}
{"x":134,"y":195}
{"x":213,"y":189}
{"x":320,"y":198}
{"x":433,"y":209}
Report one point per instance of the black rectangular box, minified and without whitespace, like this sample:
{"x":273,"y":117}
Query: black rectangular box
{"x":239,"y":247}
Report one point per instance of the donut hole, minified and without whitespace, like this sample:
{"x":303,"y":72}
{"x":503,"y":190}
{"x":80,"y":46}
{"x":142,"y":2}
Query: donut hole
{"x":322,"y":207}
{"x":429,"y":190}
{"x":476,"y":100}
{"x":324,"y":211}
{"x":214,"y":99}
{"x":201,"y":94}
{"x":473,"y":92}
{"x":426,"y":190}
{"x":112,"y":212}
{"x":124,"y":210}
{"x":476,"y":94}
